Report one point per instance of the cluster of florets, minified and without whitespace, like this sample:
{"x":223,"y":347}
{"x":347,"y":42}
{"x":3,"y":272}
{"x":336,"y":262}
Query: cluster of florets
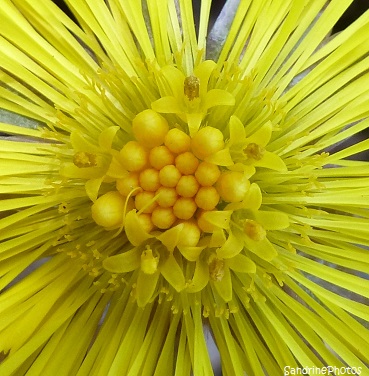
{"x":168,"y":179}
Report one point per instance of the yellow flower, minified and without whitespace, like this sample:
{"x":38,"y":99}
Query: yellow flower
{"x":159,"y":190}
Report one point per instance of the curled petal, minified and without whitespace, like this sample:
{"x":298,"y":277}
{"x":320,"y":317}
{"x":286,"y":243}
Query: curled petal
{"x":92,"y":187}
{"x":224,"y":286}
{"x":170,"y":238}
{"x":173,"y":273}
{"x":174,"y":77}
{"x":200,"y":278}
{"x":146,"y":286}
{"x":220,"y":158}
{"x":262,"y":248}
{"x":242,"y":264}
{"x":219,"y":218}
{"x":203,"y":72}
{"x":136,"y":234}
{"x":231,"y":247}
{"x":167,"y":105}
{"x":194,"y":121}
{"x":272,"y":220}
{"x":124,"y":262}
{"x":262,"y":136}
{"x":237,"y":132}
{"x":272,"y":161}
{"x":191,"y":253}
{"x":107,"y":136}
{"x":80,"y":143}
{"x":218,"y":97}
{"x":218,"y":238}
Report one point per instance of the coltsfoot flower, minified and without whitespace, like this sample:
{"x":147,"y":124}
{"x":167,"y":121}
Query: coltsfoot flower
{"x":165,"y":187}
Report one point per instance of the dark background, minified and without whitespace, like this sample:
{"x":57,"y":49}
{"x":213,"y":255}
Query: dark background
{"x":353,"y":12}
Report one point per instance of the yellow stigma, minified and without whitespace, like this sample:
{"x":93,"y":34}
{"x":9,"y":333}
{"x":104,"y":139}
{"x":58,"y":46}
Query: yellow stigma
{"x":83,"y":159}
{"x":191,"y":87}
{"x":254,"y":151}
{"x":216,"y":269}
{"x":254,"y":230}
{"x":149,"y":262}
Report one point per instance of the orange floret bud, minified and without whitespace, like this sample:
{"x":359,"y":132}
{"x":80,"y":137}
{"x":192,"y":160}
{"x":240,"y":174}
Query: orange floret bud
{"x":190,"y":235}
{"x":145,"y":202}
{"x":108,"y":210}
{"x":169,"y":176}
{"x":149,"y":179}
{"x":160,"y":156}
{"x":146,"y":222}
{"x":127,"y":184}
{"x":177,"y":141}
{"x":184,"y":208}
{"x":187,"y":186}
{"x":186,"y":163}
{"x":207,"y":141}
{"x":207,"y":174}
{"x":133,"y":156}
{"x":149,"y":128}
{"x":203,"y":223}
{"x":166,"y":197}
{"x":207,"y":198}
{"x":232,"y":186}
{"x":163,"y":218}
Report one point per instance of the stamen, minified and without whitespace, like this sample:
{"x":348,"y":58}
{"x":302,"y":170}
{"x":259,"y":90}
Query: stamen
{"x":191,"y":87}
{"x":254,"y":151}
{"x":83,"y":159}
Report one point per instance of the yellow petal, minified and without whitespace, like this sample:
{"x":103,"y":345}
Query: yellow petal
{"x":217,"y":97}
{"x":194,"y":121}
{"x":272,"y":220}
{"x":124,"y":262}
{"x":219,"y":218}
{"x":224,"y":286}
{"x":262,"y":136}
{"x":262,"y":248}
{"x":167,"y":105}
{"x":200,"y":278}
{"x":191,"y":253}
{"x":237,"y":132}
{"x":173,"y":273}
{"x":272,"y":161}
{"x":218,"y":238}
{"x":203,"y":72}
{"x":136,"y":234}
{"x":242,"y":264}
{"x":231,"y":247}
{"x":92,"y":187}
{"x":220,"y":158}
{"x":170,"y":238}
{"x":107,"y":136}
{"x":146,"y":285}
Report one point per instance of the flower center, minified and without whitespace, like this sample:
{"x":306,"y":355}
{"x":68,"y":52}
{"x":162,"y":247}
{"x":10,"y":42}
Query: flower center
{"x":168,"y":179}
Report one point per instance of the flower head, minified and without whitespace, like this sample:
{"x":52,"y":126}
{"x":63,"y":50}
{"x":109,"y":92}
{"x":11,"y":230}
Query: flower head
{"x":160,"y":187}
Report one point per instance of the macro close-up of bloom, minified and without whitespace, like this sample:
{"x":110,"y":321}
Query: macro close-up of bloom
{"x":172,"y":184}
